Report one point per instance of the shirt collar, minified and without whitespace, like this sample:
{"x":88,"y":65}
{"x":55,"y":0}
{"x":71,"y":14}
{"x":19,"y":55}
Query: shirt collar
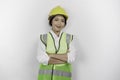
{"x":54,"y":35}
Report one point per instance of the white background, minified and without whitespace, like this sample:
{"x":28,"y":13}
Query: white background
{"x":96,"y":24}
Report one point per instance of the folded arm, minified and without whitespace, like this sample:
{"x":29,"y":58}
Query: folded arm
{"x":57,"y":58}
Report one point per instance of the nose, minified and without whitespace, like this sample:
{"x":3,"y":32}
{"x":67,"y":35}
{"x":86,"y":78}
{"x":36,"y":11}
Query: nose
{"x":59,"y":22}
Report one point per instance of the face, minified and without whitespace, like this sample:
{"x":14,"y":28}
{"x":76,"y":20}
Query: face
{"x":58,"y":23}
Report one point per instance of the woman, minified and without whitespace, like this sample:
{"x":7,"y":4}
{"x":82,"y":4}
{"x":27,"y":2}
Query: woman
{"x":56,"y":49}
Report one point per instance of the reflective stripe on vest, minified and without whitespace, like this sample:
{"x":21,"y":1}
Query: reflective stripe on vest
{"x":69,"y":38}
{"x":43,"y":38}
{"x":55,"y":72}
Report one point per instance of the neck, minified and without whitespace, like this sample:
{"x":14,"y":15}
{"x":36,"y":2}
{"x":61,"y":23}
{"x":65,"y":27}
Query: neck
{"x":57,"y":33}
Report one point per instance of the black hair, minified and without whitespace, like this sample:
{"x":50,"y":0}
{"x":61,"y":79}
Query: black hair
{"x":51,"y":18}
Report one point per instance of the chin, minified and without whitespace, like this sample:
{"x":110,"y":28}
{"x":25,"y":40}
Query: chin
{"x":57,"y":30}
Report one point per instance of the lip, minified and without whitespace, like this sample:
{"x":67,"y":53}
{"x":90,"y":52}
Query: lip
{"x":58,"y":26}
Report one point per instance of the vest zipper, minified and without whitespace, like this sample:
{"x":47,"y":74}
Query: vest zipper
{"x":55,"y":51}
{"x":52,"y":72}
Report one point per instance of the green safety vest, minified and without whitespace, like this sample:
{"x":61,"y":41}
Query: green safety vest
{"x":55,"y":71}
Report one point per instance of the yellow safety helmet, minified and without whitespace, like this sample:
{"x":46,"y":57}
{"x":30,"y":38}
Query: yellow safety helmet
{"x":58,"y":10}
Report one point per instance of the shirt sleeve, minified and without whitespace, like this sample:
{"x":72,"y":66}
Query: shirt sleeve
{"x":42,"y":57}
{"x":72,"y":51}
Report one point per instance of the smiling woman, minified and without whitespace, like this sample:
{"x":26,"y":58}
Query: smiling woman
{"x":58,"y":23}
{"x":56,"y":50}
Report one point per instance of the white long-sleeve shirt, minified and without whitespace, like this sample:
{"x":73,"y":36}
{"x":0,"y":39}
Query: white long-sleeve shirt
{"x":42,"y":57}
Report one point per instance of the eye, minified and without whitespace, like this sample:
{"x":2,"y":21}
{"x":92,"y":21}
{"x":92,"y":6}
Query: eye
{"x":62,"y":20}
{"x":56,"y":19}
